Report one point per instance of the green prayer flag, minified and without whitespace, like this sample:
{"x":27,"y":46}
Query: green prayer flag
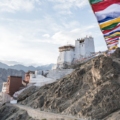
{"x":110,"y":26}
{"x":95,"y":1}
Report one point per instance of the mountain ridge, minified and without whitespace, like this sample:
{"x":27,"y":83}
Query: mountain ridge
{"x":26,"y":68}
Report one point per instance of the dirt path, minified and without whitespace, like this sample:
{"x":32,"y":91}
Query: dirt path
{"x":41,"y":115}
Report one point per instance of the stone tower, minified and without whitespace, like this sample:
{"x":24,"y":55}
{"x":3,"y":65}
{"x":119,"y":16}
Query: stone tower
{"x":84,"y":48}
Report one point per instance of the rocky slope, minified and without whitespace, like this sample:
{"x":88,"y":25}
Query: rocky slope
{"x":5,"y":73}
{"x":0,"y":98}
{"x":13,"y":113}
{"x":92,"y":90}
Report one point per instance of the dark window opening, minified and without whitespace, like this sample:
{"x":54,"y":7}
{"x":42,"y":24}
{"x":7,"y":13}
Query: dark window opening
{"x":81,"y":41}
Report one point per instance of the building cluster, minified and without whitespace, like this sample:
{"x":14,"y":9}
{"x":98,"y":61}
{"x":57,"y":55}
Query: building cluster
{"x":69,"y":54}
{"x":15,"y":83}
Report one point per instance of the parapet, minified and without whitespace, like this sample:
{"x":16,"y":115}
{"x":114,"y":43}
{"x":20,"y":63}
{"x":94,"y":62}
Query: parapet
{"x":15,"y":76}
{"x":81,"y":39}
{"x":30,"y":72}
{"x":66,"y":48}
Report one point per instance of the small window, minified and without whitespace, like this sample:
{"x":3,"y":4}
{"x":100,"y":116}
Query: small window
{"x":81,"y":41}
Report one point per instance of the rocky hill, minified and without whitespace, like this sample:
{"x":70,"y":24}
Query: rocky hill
{"x":91,"y":91}
{"x":13,"y":113}
{"x":5,"y":73}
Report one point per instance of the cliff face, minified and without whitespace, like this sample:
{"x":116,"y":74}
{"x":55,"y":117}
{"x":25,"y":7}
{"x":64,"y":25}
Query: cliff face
{"x":92,"y":90}
{"x":5,"y":73}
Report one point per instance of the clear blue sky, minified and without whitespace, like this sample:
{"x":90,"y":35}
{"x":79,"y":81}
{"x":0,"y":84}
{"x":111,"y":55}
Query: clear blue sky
{"x":32,"y":30}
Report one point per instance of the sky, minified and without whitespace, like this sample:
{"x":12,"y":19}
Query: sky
{"x":32,"y":30}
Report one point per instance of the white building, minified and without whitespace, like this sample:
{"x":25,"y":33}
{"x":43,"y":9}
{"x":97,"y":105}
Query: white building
{"x":4,"y":87}
{"x":5,"y":96}
{"x":66,"y":54}
{"x":83,"y":48}
{"x":39,"y":80}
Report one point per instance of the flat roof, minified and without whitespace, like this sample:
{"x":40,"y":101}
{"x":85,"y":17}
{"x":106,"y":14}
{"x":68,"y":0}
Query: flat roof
{"x":15,"y":76}
{"x":81,"y":39}
{"x":67,"y":46}
{"x":33,"y":72}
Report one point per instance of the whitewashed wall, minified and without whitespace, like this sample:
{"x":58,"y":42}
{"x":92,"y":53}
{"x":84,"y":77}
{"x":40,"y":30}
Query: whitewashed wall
{"x":38,"y":78}
{"x":89,"y":47}
{"x":4,"y":87}
{"x":59,"y":73}
{"x":84,"y":49}
{"x":32,"y":76}
{"x":5,"y":97}
{"x":69,"y":56}
{"x":66,"y":56}
{"x":77,"y":49}
{"x":61,"y":57}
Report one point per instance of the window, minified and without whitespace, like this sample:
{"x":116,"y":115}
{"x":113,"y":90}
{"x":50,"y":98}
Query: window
{"x":81,"y":41}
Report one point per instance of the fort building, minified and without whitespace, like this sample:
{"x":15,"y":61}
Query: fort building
{"x":68,"y":53}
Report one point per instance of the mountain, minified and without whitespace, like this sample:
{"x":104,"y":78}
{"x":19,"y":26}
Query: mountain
{"x":2,"y":65}
{"x":25,"y":68}
{"x":5,"y":73}
{"x":45,"y":67}
{"x":91,"y":91}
